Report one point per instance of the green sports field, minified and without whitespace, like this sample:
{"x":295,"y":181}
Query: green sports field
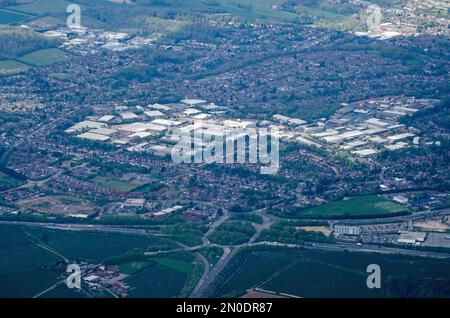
{"x":115,"y":183}
{"x":357,"y":207}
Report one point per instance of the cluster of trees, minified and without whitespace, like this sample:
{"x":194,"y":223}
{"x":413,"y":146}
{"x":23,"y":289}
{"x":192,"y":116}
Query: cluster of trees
{"x":289,"y":234}
{"x":187,"y":233}
{"x":237,"y":208}
{"x":15,"y":43}
{"x":140,"y":73}
{"x":412,"y":287}
{"x":213,"y":253}
{"x":250,"y":217}
{"x":232,"y":233}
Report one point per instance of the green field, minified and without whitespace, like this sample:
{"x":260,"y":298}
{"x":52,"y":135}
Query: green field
{"x":27,"y":269}
{"x":44,"y":57}
{"x":94,"y":246}
{"x":115,"y":183}
{"x":21,"y":264}
{"x":63,"y":292}
{"x":9,"y":17}
{"x":157,"y":281}
{"x":357,"y":207}
{"x":331,"y":274}
{"x":172,"y":276}
{"x":43,"y":6}
{"x":6,"y":181}
{"x":10,"y":66}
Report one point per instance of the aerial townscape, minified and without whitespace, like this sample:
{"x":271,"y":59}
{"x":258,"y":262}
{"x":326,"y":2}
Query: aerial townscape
{"x":224,"y":148}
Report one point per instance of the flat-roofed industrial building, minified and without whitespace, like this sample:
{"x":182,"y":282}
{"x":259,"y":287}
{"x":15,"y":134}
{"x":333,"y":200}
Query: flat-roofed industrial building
{"x":347,"y":230}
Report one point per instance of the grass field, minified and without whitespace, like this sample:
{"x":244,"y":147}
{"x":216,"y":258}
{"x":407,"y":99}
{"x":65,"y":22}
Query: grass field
{"x":116,"y":184}
{"x":9,"y":17}
{"x":43,"y":6}
{"x":44,"y":57}
{"x":11,"y":66}
{"x":6,"y":181}
{"x":357,"y":207}
{"x":327,"y":274}
{"x":259,"y":9}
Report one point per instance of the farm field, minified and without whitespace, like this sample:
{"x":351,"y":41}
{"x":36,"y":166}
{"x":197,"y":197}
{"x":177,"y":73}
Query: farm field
{"x":357,"y":207}
{"x":43,"y":6}
{"x":331,"y":274}
{"x":63,"y":292}
{"x":171,"y":276}
{"x":22,"y":264}
{"x":157,"y":281}
{"x":10,"y":17}
{"x":79,"y":245}
{"x":7,"y":181}
{"x":44,"y":57}
{"x":259,"y":9}
{"x":26,"y":269}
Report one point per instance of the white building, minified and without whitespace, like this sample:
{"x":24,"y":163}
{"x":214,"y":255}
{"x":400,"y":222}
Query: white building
{"x":154,"y":114}
{"x":347,"y":230}
{"x":94,"y":137}
{"x":87,"y":124}
{"x":412,"y":238}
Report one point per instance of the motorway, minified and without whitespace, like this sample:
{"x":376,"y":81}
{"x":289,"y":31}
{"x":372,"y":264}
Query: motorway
{"x":210,"y":274}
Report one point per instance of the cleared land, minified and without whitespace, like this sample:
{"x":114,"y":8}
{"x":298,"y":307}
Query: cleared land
{"x":432,"y":225}
{"x":58,"y":205}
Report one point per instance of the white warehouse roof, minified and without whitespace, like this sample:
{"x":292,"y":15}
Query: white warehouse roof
{"x":91,"y":136}
{"x":87,"y":124}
